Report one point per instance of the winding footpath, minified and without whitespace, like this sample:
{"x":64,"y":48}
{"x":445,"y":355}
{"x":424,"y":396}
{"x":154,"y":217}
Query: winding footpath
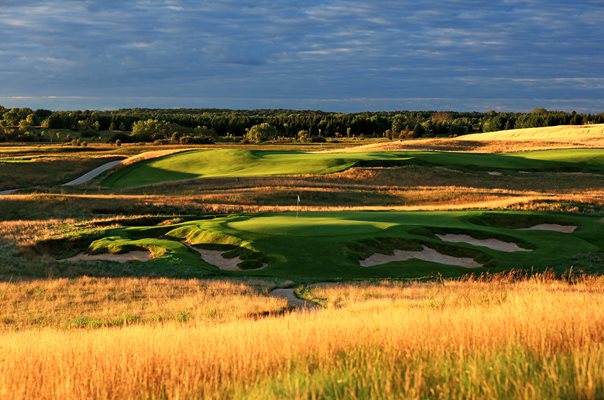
{"x":293,"y":300}
{"x":94,"y":173}
{"x":87,"y":177}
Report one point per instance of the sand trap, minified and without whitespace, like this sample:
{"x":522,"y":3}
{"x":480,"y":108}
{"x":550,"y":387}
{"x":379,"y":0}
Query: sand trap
{"x":426,"y":254}
{"x":494,"y":244}
{"x":137,"y":255}
{"x":551,"y":227}
{"x":494,"y":173}
{"x":216,"y":258}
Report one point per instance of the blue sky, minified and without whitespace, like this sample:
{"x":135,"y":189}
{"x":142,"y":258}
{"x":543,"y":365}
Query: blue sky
{"x":331,"y":55}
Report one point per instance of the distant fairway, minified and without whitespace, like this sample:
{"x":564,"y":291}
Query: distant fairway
{"x":245,"y":163}
{"x":328,"y":245}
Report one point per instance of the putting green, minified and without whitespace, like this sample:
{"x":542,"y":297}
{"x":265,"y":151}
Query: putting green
{"x":243,"y":163}
{"x":329,"y":245}
{"x":308,"y":225}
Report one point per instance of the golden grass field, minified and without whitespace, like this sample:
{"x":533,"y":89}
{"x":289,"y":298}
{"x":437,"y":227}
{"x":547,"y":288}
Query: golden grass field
{"x":502,"y":338}
{"x":554,"y":137}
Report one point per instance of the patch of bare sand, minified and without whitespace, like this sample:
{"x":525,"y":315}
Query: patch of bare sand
{"x":426,"y":254}
{"x":551,"y":227}
{"x":137,"y":255}
{"x":217,"y":259}
{"x":494,"y":173}
{"x":494,"y":244}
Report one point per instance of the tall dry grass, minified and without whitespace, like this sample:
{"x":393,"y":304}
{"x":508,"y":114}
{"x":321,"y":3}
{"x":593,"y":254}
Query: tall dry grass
{"x":531,"y":339}
{"x":100,"y":302}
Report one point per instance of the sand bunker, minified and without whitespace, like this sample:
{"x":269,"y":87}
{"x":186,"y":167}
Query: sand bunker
{"x":217,"y":259}
{"x":494,"y":244}
{"x":494,"y":173}
{"x":137,"y":255}
{"x":426,"y":254}
{"x":551,"y":227}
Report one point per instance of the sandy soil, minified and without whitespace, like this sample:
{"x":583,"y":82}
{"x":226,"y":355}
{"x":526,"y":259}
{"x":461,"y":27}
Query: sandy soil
{"x":137,"y":255}
{"x":494,"y":244}
{"x":93,"y":174}
{"x":551,"y":227}
{"x":426,"y":254}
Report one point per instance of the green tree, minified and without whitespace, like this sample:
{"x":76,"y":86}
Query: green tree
{"x":151,"y":129}
{"x":304,"y":136}
{"x":399,"y":124}
{"x":260,"y":133}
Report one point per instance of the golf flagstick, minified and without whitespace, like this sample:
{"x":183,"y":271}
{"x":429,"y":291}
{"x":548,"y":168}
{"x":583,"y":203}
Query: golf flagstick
{"x":298,"y":206}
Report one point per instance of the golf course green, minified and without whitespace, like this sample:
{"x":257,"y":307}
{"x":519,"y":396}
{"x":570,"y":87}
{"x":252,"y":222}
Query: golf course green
{"x":241,"y":163}
{"x":318,"y":246}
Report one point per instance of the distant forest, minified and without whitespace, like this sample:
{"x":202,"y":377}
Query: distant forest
{"x":207,"y":125}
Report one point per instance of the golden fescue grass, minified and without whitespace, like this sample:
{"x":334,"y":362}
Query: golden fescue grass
{"x":48,"y":171}
{"x":423,"y":198}
{"x":562,"y":133}
{"x":97,"y":302}
{"x":406,"y":188}
{"x":23,"y":233}
{"x":532,"y":339}
{"x":555,"y":137}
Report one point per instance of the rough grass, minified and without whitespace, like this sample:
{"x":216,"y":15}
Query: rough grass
{"x":103,"y":302}
{"x":555,"y":137}
{"x":532,"y":339}
{"x":562,"y":133}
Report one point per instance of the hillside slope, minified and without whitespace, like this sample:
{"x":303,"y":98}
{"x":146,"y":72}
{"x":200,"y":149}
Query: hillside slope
{"x":553,"y":137}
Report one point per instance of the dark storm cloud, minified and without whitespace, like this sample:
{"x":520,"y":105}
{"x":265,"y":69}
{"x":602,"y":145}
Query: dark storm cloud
{"x":336,"y":55}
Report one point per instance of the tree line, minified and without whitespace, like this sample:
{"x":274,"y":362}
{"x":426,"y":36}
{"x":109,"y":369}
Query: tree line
{"x":205,"y":125}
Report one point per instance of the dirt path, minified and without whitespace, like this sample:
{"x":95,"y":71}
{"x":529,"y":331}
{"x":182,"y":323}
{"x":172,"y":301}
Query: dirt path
{"x":293,"y":300}
{"x":93,"y":174}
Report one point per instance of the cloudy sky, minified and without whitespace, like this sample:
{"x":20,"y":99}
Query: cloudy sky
{"x":333,"y":55}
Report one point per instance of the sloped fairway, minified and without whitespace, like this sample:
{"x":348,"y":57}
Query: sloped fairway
{"x":329,"y":246}
{"x":244,"y":163}
{"x":235,"y":162}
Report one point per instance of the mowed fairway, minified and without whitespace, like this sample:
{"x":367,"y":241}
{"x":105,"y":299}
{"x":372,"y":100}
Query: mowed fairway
{"x":245,"y":163}
{"x":326,"y":246}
